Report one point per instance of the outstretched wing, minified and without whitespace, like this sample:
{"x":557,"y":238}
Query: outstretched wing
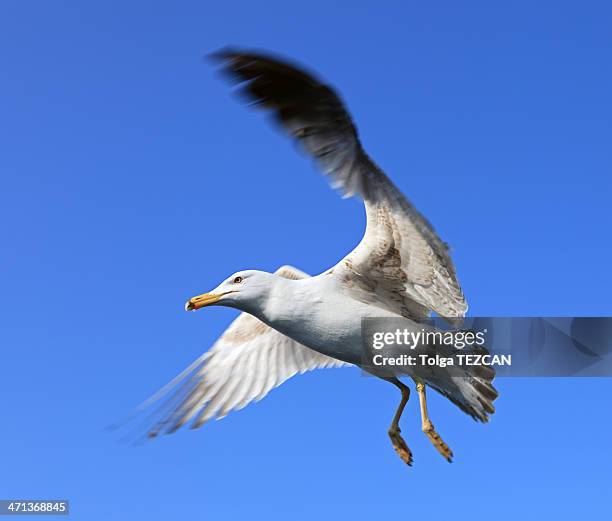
{"x":243,"y":365}
{"x":401,"y":264}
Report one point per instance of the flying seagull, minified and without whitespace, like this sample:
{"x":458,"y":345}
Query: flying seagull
{"x":292,"y":322}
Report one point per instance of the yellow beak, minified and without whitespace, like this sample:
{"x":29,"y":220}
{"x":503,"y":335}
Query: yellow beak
{"x":206,"y":299}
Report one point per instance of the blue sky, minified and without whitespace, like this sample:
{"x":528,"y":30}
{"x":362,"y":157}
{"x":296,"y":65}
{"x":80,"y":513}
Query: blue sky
{"x":132,"y":180}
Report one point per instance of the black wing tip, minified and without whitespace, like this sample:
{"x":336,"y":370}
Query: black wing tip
{"x":228,"y":52}
{"x":231,"y":53}
{"x":223,"y":54}
{"x":232,"y":58}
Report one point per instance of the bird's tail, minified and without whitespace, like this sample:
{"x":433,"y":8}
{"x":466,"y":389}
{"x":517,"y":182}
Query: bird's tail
{"x":470,"y":388}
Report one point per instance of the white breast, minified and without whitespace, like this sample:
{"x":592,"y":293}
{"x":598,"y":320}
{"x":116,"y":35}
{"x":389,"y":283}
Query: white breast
{"x":314,"y":313}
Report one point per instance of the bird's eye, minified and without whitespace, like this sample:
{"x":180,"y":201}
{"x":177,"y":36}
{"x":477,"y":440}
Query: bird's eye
{"x":237,"y":280}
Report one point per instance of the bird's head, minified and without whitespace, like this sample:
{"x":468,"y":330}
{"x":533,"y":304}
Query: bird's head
{"x":242,"y":290}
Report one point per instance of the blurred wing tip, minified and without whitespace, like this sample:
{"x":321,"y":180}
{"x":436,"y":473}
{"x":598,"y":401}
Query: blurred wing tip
{"x":227,"y":52}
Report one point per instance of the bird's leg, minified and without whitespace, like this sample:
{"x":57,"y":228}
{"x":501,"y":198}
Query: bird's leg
{"x":428,"y":427}
{"x":394,"y":431}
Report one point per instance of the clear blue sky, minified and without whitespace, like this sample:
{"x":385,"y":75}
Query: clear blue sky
{"x":132,"y":180}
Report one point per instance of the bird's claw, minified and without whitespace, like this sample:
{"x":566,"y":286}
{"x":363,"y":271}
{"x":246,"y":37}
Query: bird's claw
{"x":438,"y":442}
{"x":400,"y":446}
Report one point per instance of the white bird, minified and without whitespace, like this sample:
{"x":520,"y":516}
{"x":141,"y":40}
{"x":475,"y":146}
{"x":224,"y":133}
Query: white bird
{"x":291,"y":322}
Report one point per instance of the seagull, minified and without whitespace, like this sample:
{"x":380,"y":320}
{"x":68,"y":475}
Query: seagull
{"x":292,"y":322}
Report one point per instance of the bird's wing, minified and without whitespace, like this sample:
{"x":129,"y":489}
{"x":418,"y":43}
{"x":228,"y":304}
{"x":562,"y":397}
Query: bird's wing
{"x":243,"y":365}
{"x":401,"y":264}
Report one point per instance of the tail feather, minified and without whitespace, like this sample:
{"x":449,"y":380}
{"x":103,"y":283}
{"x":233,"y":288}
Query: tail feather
{"x":464,"y":393}
{"x":473,"y":391}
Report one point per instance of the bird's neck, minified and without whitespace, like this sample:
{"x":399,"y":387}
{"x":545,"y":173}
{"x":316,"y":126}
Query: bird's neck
{"x":280,"y":304}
